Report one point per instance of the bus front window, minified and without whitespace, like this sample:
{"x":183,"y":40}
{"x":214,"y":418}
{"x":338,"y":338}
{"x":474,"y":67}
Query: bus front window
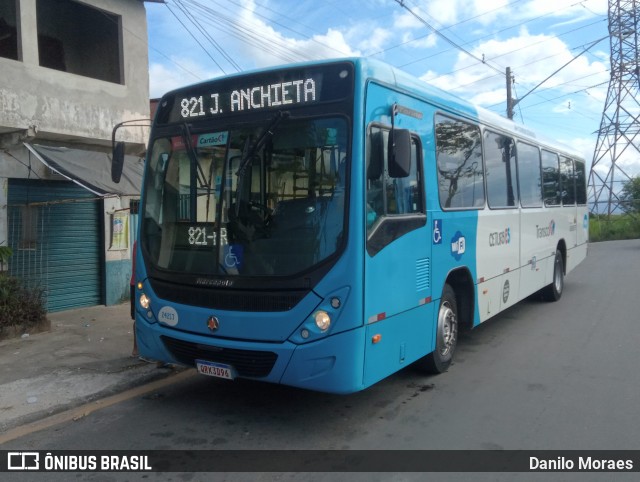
{"x":239,"y":202}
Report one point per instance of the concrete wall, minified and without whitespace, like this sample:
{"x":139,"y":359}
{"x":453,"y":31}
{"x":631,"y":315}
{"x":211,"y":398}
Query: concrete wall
{"x":61,"y":105}
{"x":117,"y":261}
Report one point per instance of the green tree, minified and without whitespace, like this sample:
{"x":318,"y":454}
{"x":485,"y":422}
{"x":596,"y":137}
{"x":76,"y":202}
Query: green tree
{"x":630,"y":196}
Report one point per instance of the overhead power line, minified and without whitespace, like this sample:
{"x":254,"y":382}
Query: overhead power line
{"x":193,"y":36}
{"x":546,"y":39}
{"x":512,"y":102}
{"x":494,"y":33}
{"x":206,"y":35}
{"x":445,"y":38}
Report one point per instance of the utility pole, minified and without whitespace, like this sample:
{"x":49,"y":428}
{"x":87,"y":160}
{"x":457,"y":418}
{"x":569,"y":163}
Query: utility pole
{"x":510,"y":101}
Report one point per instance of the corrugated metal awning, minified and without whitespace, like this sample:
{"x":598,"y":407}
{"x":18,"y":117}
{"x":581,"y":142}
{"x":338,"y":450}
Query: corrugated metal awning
{"x":91,"y":169}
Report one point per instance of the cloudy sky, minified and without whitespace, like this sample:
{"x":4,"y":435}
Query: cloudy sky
{"x":462,"y":46}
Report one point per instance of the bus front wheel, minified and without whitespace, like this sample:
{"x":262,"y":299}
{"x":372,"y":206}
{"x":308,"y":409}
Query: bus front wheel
{"x":439,"y":360}
{"x":553,"y":292}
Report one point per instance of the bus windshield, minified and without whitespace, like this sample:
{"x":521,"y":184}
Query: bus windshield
{"x":262,"y":199}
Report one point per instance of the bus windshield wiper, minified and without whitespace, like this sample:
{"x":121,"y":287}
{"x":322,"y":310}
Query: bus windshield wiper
{"x":260,"y":141}
{"x":200,"y":176}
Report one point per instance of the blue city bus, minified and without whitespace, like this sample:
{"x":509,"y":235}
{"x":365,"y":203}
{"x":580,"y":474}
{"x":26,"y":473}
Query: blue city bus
{"x":324,"y":225}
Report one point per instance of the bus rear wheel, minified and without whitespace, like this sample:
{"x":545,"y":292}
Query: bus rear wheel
{"x":553,"y":292}
{"x":439,"y":360}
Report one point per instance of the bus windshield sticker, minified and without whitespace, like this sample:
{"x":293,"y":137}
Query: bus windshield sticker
{"x":233,"y":255}
{"x":213,"y":139}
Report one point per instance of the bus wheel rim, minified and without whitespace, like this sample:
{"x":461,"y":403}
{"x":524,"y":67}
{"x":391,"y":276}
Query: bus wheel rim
{"x":448,"y":328}
{"x":558,"y":276}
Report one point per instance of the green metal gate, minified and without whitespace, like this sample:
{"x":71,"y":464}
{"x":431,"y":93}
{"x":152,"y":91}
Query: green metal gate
{"x":54,"y":232}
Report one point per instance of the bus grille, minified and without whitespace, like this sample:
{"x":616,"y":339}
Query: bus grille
{"x":225,"y":299}
{"x":248,"y":363}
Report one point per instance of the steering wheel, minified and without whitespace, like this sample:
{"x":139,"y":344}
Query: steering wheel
{"x":266,"y":212}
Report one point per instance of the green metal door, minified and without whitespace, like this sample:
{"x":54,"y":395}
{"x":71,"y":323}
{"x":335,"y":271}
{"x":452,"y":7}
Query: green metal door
{"x":54,"y":231}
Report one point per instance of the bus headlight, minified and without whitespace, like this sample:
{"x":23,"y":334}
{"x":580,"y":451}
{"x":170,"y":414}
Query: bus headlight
{"x":323,"y":320}
{"x":145,"y":302}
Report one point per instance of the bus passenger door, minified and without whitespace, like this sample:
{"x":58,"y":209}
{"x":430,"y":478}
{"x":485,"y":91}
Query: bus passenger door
{"x":397,"y":261}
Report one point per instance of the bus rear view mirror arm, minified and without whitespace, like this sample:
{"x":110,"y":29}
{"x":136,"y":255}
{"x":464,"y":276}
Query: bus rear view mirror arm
{"x":118,"y":148}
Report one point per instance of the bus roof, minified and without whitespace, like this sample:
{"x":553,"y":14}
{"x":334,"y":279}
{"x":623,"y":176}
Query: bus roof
{"x":376,"y":70}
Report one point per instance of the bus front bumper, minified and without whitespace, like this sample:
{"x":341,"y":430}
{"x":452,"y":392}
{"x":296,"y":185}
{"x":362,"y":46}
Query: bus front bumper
{"x":333,"y":364}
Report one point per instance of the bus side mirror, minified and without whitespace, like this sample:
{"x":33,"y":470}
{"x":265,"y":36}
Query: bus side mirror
{"x":399,"y":153}
{"x":117,"y":161}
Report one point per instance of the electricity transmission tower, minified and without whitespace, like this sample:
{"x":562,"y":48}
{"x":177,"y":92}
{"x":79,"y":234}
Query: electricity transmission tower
{"x":619,"y":133}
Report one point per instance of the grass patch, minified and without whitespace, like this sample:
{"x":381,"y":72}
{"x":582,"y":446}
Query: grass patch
{"x":619,"y":226}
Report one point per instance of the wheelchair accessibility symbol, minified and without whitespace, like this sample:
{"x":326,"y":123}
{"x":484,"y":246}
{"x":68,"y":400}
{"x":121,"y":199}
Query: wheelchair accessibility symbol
{"x":233,"y":256}
{"x":437,"y":231}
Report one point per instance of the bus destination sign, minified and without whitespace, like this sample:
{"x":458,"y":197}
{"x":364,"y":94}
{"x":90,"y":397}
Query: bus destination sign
{"x":299,"y":91}
{"x":263,"y":91}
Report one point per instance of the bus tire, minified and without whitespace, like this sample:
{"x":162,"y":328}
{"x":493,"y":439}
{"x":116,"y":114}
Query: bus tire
{"x":553,"y":292}
{"x":438,"y":360}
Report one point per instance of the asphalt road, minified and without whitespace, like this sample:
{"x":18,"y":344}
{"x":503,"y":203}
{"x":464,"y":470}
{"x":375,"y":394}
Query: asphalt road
{"x":562,"y":375}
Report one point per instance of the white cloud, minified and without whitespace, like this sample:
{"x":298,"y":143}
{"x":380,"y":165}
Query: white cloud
{"x":583,"y":146}
{"x":489,"y":97}
{"x":271,"y":47}
{"x":375,"y":40}
{"x":565,"y":11}
{"x":419,"y":42}
{"x":405,"y":21}
{"x":163,"y":78}
{"x":532,"y":58}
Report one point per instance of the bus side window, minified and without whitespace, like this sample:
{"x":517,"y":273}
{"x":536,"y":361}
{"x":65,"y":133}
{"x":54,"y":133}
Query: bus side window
{"x":550,"y":179}
{"x":459,"y":159}
{"x":375,"y":171}
{"x":568,"y":181}
{"x":581,"y":183}
{"x":392,"y":202}
{"x":387,"y":195}
{"x":500,"y":164}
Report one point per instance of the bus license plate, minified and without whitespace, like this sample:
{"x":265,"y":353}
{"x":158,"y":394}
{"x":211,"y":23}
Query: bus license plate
{"x":219,"y":370}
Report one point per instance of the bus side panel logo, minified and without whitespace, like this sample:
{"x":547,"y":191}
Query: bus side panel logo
{"x":168,"y":315}
{"x":458,"y":246}
{"x":546,"y":231}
